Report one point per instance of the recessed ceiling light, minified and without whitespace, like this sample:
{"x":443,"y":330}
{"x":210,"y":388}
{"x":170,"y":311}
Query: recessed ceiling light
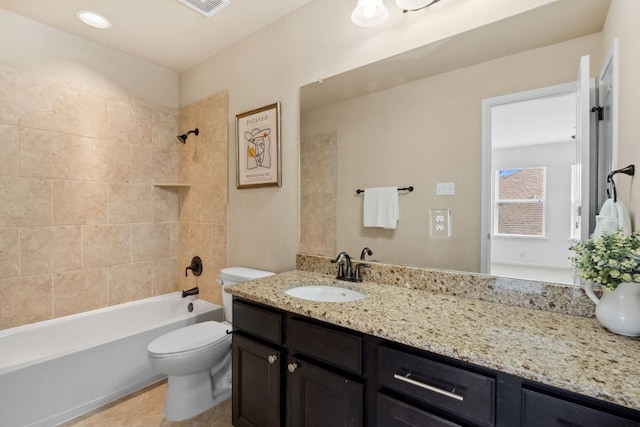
{"x":93,"y":19}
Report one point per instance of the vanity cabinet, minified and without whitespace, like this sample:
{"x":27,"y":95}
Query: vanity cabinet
{"x":289,"y":370}
{"x":324,"y":383}
{"x":258,"y":366}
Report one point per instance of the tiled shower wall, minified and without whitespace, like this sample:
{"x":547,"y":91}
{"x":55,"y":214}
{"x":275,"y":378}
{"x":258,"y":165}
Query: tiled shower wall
{"x":318,"y":190}
{"x":81,"y":224}
{"x":203,"y":204}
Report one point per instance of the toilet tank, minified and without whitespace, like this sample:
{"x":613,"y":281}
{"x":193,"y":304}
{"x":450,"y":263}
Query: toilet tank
{"x":232,"y":275}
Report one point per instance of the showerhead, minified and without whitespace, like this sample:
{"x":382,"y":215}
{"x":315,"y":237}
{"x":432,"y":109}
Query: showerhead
{"x":183,"y":138}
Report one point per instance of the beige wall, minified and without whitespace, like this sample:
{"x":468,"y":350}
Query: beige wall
{"x":203,"y":205}
{"x":423,"y":133}
{"x":30,"y":45}
{"x":622,"y":24}
{"x":81,"y":225}
{"x":316,"y":41}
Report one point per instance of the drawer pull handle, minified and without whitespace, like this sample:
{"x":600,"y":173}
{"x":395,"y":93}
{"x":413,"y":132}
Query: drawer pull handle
{"x":411,"y":381}
{"x":272,"y":359}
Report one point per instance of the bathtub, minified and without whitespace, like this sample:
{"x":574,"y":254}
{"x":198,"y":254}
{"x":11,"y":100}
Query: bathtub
{"x":55,"y":370}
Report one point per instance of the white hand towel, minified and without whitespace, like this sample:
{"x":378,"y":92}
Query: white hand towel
{"x":381,"y":207}
{"x":613,"y":216}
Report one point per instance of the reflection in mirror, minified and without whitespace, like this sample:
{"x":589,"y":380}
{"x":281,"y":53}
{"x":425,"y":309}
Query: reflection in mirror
{"x":426,"y":129}
{"x":533,"y":198}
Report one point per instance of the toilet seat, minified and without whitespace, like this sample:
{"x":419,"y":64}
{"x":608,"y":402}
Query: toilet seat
{"x":192,"y":338}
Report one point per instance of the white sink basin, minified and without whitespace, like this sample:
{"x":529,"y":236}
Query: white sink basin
{"x":325,"y":293}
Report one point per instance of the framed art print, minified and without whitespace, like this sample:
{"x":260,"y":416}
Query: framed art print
{"x":258,"y":148}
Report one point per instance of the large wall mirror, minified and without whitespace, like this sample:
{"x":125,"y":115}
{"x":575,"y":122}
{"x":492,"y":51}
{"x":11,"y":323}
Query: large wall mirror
{"x":416,"y":120}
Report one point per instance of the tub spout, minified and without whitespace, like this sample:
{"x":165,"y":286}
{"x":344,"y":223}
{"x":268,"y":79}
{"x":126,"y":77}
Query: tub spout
{"x":192,"y":291}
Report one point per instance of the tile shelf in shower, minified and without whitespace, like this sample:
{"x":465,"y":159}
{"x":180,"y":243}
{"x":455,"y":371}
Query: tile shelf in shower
{"x":171,"y":184}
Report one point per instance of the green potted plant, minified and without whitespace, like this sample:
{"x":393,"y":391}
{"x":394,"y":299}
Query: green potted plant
{"x":612,"y":261}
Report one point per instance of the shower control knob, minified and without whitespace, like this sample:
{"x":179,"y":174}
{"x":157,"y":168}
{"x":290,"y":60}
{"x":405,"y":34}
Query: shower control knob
{"x":293,"y":366}
{"x":272,"y":359}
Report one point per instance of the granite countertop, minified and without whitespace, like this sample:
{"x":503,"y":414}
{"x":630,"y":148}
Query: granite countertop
{"x":570,"y":352}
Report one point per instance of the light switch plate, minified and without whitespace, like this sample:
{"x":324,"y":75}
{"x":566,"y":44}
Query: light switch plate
{"x":445,"y":189}
{"x":440,"y":222}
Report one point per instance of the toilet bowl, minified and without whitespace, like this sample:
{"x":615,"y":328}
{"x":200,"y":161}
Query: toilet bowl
{"x":189,"y":356}
{"x":197,"y":358}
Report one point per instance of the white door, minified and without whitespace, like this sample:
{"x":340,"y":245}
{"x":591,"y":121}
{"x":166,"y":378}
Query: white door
{"x":585,"y":203}
{"x":608,"y":126}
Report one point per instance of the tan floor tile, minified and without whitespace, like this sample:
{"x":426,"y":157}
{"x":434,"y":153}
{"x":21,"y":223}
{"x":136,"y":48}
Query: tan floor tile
{"x":145,"y":409}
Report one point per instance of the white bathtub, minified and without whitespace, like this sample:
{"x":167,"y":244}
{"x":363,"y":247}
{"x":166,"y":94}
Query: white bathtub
{"x":55,"y":370}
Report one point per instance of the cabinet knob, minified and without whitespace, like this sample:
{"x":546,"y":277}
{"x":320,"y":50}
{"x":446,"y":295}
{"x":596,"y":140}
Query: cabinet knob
{"x":272,"y":359}
{"x":293,"y":366}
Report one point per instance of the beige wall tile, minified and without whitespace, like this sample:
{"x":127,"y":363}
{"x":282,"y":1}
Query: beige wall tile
{"x":26,"y":300}
{"x":77,"y":202}
{"x":150,"y":241}
{"x":129,"y":121}
{"x":106,"y":245}
{"x":130,"y":203}
{"x":106,"y":161}
{"x":218,"y":245}
{"x":164,"y":275}
{"x":46,"y":154}
{"x":9,"y":253}
{"x":166,"y":204}
{"x":164,"y":129}
{"x":79,"y":291}
{"x":153,"y":164}
{"x":175,"y":239}
{"x":26,"y":202}
{"x":201,"y":242}
{"x":25,"y":100}
{"x":50,"y":249}
{"x":69,"y":158}
{"x":9,"y":151}
{"x":79,"y":112}
{"x":130,"y":282}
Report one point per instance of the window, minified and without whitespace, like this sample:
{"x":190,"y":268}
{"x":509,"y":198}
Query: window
{"x":520,"y":198}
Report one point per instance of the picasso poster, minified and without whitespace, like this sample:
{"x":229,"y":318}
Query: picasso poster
{"x":258,"y":147}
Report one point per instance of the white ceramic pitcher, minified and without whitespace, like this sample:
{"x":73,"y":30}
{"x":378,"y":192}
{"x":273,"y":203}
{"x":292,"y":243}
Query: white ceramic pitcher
{"x":618,"y":310}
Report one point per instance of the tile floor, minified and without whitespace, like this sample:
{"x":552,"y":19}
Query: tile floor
{"x":145,"y":409}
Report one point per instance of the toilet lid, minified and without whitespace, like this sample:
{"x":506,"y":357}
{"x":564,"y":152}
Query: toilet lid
{"x":190,"y":337}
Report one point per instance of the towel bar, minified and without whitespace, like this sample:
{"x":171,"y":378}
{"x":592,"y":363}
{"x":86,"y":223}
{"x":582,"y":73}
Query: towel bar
{"x":409,"y":189}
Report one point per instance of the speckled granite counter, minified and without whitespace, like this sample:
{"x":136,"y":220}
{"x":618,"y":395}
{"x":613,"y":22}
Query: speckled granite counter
{"x":570,"y":352}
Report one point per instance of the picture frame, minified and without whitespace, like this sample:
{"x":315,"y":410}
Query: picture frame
{"x":258,"y":162}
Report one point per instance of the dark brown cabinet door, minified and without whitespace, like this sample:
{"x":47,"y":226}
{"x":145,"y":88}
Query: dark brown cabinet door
{"x":257,"y":377}
{"x":320,"y":398}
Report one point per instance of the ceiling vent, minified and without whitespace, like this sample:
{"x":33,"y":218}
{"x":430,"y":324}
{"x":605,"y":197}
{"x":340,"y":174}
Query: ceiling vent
{"x":206,"y":7}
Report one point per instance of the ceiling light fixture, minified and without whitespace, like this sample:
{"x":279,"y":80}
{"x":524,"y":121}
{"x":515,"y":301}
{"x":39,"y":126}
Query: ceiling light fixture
{"x":93,"y":19}
{"x":413,"y":5}
{"x":369,"y":13}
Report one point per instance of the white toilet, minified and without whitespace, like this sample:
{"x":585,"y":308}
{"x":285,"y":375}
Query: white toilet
{"x":197,"y":358}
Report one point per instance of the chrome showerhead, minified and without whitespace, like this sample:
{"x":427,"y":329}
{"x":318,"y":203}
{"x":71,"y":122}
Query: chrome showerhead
{"x":183,"y":138}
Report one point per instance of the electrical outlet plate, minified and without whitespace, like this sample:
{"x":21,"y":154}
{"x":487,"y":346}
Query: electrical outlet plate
{"x":440,"y":222}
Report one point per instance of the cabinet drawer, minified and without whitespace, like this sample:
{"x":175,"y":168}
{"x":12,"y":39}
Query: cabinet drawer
{"x":261,"y":322}
{"x":540,"y":410}
{"x":392,"y":412}
{"x":466,"y":393}
{"x":335,"y":347}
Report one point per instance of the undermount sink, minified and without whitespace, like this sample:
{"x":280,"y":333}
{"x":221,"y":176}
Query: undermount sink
{"x":322,"y":293}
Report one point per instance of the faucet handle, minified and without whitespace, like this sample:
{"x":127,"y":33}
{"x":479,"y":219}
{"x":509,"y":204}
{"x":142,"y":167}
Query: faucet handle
{"x":357,"y":276}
